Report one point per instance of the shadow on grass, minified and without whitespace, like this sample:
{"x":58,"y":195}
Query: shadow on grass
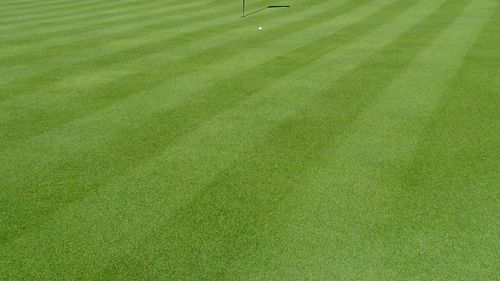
{"x":265,"y":8}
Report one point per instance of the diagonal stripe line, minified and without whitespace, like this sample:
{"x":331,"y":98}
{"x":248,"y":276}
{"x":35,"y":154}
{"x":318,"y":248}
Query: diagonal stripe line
{"x":386,"y":135}
{"x":54,"y":25}
{"x":197,"y":48}
{"x":129,"y":43}
{"x":206,"y":138}
{"x":188,"y":120}
{"x":112,"y":26}
{"x":204,"y":75}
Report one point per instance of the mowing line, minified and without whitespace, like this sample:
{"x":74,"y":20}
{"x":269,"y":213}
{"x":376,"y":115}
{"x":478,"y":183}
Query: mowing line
{"x":264,"y":191}
{"x":384,"y":137}
{"x":90,"y":36}
{"x":17,"y":53}
{"x":203,"y":51}
{"x":208,"y":74}
{"x":159,"y":92}
{"x":381,"y":5}
{"x":47,"y":8}
{"x":91,"y":54}
{"x":37,"y":16}
{"x":115,"y":144}
{"x":53,"y":154}
{"x":56,"y":24}
{"x":211,"y":143}
{"x":450,"y":187}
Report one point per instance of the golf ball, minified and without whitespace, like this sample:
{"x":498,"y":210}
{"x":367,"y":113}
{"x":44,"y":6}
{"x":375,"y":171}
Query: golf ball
{"x":260,"y":28}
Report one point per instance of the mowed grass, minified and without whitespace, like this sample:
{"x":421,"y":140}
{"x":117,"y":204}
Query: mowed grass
{"x":172,"y":140}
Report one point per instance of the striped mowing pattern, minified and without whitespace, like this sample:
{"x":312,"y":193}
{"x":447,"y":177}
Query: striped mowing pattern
{"x":171,"y":140}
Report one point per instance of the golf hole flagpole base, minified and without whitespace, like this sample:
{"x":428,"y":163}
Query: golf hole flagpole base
{"x":243,"y":11}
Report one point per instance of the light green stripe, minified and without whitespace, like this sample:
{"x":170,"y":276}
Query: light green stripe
{"x":138,"y":65}
{"x":38,"y":15}
{"x":48,"y":7}
{"x":55,"y":26}
{"x":71,"y":17}
{"x":354,"y":174}
{"x":221,"y":69}
{"x":107,"y":49}
{"x":205,"y":18}
{"x":204,"y":144}
{"x":102,"y":50}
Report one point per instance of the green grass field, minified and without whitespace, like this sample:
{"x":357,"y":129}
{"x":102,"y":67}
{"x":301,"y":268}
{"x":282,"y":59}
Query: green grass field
{"x":173,"y":140}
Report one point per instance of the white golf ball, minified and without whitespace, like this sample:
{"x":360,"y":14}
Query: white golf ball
{"x":260,"y":28}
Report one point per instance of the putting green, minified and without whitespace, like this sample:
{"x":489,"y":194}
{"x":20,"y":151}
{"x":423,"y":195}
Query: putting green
{"x":173,"y":140}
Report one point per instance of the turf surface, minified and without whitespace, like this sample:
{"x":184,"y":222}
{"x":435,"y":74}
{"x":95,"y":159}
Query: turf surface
{"x":172,"y":140}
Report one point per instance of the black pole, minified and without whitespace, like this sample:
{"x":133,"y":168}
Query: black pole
{"x":243,"y":14}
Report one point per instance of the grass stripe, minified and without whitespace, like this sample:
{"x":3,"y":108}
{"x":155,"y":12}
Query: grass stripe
{"x":44,"y":100}
{"x":383,"y":139}
{"x":139,"y":37}
{"x":449,"y":187}
{"x":71,"y":21}
{"x":29,"y":4}
{"x":53,"y":24}
{"x":45,"y":7}
{"x":206,"y":142}
{"x":115,"y":109}
{"x":37,"y":16}
{"x":104,"y":26}
{"x":106,"y":116}
{"x":68,"y":89}
{"x":259,"y":183}
{"x":107,"y":53}
{"x":48,"y":7}
{"x":120,"y":27}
